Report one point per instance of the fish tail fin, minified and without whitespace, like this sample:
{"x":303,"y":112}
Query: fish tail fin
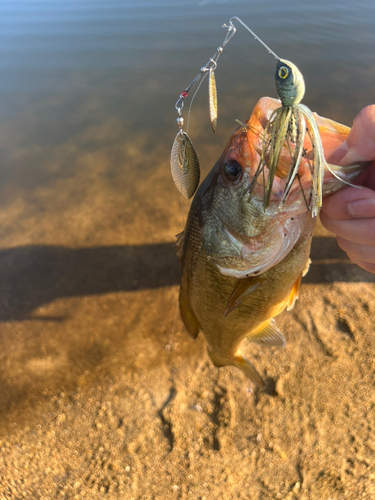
{"x":240,"y":362}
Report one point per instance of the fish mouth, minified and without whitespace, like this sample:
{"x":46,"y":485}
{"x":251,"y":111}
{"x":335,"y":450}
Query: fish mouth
{"x":277,"y":225}
{"x":332,"y":136}
{"x":254,"y":255}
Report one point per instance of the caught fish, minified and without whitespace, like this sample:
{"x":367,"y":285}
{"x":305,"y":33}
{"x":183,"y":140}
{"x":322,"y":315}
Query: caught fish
{"x":242,"y":262}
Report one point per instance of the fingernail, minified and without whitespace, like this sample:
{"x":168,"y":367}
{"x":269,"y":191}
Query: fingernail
{"x":364,"y":208}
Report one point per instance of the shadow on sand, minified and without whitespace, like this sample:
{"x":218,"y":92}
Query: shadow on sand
{"x":35,"y":275}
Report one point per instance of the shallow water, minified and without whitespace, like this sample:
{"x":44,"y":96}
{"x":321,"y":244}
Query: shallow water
{"x":67,"y":65}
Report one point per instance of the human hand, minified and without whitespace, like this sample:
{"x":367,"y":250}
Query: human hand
{"x":350,"y":213}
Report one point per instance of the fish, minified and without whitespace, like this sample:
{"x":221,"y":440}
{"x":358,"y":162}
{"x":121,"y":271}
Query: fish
{"x":242,"y":263}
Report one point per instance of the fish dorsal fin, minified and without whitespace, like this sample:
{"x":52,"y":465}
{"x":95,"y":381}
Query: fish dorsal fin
{"x":179,"y":243}
{"x":187,"y":315}
{"x":242,"y":289}
{"x":269,"y":336}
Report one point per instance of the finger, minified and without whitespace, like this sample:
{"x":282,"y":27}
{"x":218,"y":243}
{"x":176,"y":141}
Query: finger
{"x":366,"y":177}
{"x":360,"y":143}
{"x":360,"y":231}
{"x":357,"y":252}
{"x":350,"y":203}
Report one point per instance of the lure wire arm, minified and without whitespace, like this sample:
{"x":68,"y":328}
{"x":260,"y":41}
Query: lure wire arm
{"x":212,"y":62}
{"x":235,"y":18}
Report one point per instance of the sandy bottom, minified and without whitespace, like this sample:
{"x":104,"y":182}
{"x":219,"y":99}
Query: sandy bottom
{"x":103,"y":394}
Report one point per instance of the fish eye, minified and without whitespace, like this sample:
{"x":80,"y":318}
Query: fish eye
{"x":283,"y":72}
{"x":232,"y":170}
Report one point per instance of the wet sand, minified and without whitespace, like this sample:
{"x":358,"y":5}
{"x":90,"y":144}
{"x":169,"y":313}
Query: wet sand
{"x":103,"y":393}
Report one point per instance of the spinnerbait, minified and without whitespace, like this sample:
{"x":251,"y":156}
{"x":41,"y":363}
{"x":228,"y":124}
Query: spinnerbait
{"x":287,"y":125}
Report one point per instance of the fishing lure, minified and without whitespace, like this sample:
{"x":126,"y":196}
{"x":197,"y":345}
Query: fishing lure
{"x":287,"y":127}
{"x":184,"y":160}
{"x":212,"y":98}
{"x":289,"y":124}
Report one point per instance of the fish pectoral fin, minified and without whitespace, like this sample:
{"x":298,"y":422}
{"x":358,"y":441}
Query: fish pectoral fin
{"x":187,"y":315}
{"x":242,"y":289}
{"x":179,"y":244}
{"x":269,"y":336}
{"x":240,"y":362}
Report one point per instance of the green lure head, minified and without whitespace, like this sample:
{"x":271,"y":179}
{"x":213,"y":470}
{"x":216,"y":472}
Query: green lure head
{"x":290,"y":84}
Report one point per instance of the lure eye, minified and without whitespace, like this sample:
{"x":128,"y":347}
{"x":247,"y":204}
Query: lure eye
{"x":283,"y":72}
{"x":232,"y":170}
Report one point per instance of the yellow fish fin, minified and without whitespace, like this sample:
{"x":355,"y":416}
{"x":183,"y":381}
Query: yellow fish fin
{"x":187,"y":315}
{"x":294,"y":294}
{"x":179,"y":243}
{"x":242,"y":289}
{"x":240,"y":362}
{"x":269,"y":335}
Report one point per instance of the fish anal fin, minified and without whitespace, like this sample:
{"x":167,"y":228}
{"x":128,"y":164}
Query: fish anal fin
{"x":179,"y":244}
{"x":240,"y":362}
{"x":242,"y":289}
{"x":269,"y":335}
{"x":187,"y":315}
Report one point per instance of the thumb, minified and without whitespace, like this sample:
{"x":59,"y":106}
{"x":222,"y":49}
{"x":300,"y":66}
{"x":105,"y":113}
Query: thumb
{"x":350,"y":203}
{"x":360,"y":143}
